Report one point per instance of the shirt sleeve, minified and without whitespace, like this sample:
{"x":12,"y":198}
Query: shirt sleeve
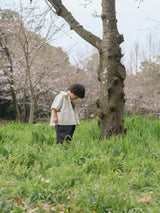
{"x":57,"y":103}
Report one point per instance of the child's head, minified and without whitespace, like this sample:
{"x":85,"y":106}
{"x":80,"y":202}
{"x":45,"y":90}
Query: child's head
{"x":78,"y":90}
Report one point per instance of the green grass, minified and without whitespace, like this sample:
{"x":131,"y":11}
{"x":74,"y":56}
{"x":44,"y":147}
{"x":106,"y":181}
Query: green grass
{"x":117,"y":175}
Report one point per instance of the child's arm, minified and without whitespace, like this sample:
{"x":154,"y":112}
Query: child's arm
{"x":54,"y":112}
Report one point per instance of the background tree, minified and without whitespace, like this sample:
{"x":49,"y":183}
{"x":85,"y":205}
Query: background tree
{"x":31,"y":60}
{"x":31,"y":43}
{"x":142,"y":87}
{"x":135,"y":58}
{"x":7,"y":57}
{"x":27,"y":46}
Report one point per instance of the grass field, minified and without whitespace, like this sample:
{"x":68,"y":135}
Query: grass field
{"x":118,"y":175}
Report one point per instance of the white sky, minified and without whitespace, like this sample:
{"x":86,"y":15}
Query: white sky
{"x":133,"y":23}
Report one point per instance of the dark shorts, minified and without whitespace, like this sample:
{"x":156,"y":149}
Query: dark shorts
{"x":64,"y":132}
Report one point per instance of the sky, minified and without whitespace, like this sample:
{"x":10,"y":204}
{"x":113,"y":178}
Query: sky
{"x":135,"y":22}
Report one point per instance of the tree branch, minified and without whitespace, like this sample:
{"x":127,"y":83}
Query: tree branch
{"x":74,"y":25}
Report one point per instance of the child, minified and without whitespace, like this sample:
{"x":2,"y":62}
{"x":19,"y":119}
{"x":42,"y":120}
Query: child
{"x":63,"y":114}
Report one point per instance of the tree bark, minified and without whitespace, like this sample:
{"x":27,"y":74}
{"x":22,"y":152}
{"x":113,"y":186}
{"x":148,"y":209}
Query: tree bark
{"x":111,"y":73}
{"x":15,"y":104}
{"x":32,"y":107}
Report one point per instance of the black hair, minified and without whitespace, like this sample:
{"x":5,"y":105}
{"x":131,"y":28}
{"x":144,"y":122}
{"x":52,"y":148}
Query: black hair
{"x":78,"y":89}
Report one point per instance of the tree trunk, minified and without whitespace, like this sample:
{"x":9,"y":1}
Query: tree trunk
{"x":111,"y":75}
{"x":15,"y":104}
{"x":24,"y":108}
{"x":32,"y":107}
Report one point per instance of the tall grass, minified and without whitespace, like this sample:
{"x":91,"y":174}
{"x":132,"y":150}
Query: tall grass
{"x":118,"y":175}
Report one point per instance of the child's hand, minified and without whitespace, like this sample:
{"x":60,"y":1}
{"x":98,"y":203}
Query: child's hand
{"x":55,"y":119}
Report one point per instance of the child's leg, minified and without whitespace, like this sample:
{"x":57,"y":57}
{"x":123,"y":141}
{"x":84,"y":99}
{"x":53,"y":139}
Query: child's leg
{"x":72,"y":130}
{"x":59,"y":133}
{"x":64,"y":132}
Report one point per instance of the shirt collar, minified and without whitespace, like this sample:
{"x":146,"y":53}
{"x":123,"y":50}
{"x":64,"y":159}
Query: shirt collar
{"x":64,"y":93}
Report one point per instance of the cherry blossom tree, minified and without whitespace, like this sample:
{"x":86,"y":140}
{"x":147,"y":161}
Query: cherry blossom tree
{"x":7,"y":56}
{"x":30,"y":58}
